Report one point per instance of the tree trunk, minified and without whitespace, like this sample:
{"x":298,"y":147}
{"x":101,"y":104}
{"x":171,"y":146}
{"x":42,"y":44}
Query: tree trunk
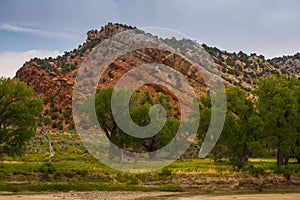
{"x":279,"y":156}
{"x":152,"y":155}
{"x":286,"y":159}
{"x":121,"y":157}
{"x":50,"y":146}
{"x":111,"y":153}
{"x":48,"y":141}
{"x":242,"y":160}
{"x":136,"y":157}
{"x":298,"y":158}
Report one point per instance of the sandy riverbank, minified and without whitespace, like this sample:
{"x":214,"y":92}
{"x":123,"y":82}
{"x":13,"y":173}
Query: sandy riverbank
{"x":101,"y":195}
{"x":137,"y":195}
{"x":257,"y":197}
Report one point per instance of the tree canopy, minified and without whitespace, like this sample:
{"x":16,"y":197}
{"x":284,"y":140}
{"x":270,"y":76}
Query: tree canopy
{"x":278,"y":107}
{"x":267,"y":125}
{"x":253,"y":128}
{"x":18,"y":115}
{"x":237,"y":140}
{"x":140,"y":105}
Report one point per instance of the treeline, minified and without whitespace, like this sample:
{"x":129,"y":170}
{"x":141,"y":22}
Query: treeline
{"x":265,"y":127}
{"x":269,"y":126}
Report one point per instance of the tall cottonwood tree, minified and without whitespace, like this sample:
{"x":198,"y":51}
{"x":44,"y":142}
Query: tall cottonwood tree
{"x":278,"y":107}
{"x":18,"y":115}
{"x":241,"y":128}
{"x":139,"y":111}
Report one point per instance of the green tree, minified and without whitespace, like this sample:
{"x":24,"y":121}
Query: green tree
{"x":139,"y":111}
{"x":242,"y":127}
{"x":238,"y":139}
{"x":18,"y":115}
{"x":140,"y":115}
{"x":278,"y":107}
{"x":107,"y":122}
{"x":110,"y":127}
{"x":296,"y":149}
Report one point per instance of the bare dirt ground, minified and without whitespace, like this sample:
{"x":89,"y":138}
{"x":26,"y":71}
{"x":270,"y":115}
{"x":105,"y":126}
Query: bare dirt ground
{"x":257,"y":197}
{"x":138,"y":195}
{"x":101,"y":195}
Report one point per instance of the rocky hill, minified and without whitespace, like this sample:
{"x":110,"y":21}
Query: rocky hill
{"x":288,"y":64}
{"x":53,"y":78}
{"x":242,"y":69}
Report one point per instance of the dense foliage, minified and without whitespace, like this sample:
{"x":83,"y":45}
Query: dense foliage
{"x":139,"y":111}
{"x":267,"y":127}
{"x":18,"y":115}
{"x":278,"y":107}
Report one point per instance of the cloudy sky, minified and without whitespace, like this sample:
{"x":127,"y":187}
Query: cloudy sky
{"x":35,"y":28}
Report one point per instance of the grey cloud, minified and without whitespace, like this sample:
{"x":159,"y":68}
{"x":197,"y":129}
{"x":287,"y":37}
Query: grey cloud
{"x":269,"y":27}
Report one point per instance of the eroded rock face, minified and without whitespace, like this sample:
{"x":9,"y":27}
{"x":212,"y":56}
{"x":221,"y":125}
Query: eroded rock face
{"x":47,"y":84}
{"x":52,"y":79}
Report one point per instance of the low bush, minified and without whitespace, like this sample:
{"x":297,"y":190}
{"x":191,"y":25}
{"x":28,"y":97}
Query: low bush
{"x":47,"y":167}
{"x":165,"y":172}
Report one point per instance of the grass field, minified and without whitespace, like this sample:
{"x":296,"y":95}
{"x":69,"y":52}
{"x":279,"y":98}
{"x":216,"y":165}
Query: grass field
{"x":72,"y":168}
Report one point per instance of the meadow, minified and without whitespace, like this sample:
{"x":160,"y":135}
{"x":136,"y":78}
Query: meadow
{"x":73,"y":169}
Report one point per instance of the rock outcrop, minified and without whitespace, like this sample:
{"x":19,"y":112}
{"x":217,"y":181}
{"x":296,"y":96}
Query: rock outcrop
{"x":53,"y":78}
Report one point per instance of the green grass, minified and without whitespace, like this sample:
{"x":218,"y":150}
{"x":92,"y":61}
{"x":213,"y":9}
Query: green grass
{"x":203,"y":166}
{"x":83,"y":186}
{"x":72,"y":168}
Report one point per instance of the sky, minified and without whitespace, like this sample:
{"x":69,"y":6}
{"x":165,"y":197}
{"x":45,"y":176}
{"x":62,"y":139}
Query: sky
{"x":35,"y":28}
